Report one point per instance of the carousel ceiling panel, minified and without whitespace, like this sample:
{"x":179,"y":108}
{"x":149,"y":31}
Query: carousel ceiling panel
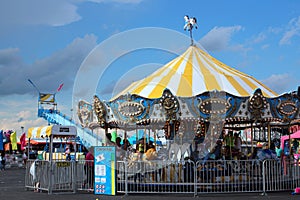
{"x":193,"y":73}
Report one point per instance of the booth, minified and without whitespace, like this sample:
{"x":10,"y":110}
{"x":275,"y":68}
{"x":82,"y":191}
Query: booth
{"x":48,"y":135}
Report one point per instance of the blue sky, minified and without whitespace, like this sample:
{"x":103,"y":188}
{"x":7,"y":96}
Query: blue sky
{"x":48,"y":40}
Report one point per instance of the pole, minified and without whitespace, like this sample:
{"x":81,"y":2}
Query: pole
{"x":269,"y":135}
{"x":191,"y":35}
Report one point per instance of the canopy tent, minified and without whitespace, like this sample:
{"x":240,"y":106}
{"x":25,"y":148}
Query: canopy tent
{"x":195,"y":72}
{"x":55,"y":130}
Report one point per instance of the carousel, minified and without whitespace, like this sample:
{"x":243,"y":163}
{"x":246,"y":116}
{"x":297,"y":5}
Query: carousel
{"x":194,"y":99}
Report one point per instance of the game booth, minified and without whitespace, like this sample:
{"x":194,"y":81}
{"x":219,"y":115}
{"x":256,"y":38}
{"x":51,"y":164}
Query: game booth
{"x":50,"y":142}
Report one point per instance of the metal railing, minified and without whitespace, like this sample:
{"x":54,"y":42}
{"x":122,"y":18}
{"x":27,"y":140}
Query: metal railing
{"x":164,"y":176}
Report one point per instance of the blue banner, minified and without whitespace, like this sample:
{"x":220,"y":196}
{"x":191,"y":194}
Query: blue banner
{"x":1,"y":140}
{"x":105,"y":170}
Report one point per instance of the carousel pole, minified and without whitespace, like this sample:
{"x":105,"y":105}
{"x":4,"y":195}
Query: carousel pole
{"x":136,"y":137}
{"x":148,"y":134}
{"x":290,"y":140}
{"x":145,"y":139}
{"x":269,"y":135}
{"x":251,"y":135}
{"x":154,"y":136}
{"x":106,"y":132}
{"x":191,"y":35}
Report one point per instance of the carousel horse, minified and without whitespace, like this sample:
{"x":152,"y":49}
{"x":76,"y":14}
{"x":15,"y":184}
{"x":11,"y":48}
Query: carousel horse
{"x":146,"y":157}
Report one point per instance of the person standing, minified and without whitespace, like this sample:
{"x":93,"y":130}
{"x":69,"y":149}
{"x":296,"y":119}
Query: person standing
{"x":89,"y":169}
{"x":68,"y":153}
{"x":3,"y":161}
{"x":279,"y":151}
{"x":24,"y":158}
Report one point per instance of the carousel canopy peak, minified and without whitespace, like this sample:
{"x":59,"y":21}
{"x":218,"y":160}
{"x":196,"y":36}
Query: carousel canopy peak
{"x":195,"y":72}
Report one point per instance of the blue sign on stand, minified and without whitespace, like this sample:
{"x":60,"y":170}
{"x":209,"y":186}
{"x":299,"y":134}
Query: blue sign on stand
{"x":105,"y":170}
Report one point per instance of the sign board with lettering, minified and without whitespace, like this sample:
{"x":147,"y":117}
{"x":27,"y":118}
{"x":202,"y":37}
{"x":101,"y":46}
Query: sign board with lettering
{"x":105,"y":170}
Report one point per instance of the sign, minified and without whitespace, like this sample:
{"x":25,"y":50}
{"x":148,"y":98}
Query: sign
{"x":47,"y":98}
{"x":64,"y":129}
{"x":105,"y":170}
{"x":63,"y":164}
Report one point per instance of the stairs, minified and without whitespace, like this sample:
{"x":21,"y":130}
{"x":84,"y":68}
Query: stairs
{"x":86,"y":136}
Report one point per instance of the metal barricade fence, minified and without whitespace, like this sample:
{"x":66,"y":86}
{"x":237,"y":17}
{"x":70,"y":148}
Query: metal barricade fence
{"x":37,"y":175}
{"x":156,"y":176}
{"x":164,"y":176}
{"x":228,"y":176}
{"x":281,"y":175}
{"x":85,"y":175}
{"x":55,"y":176}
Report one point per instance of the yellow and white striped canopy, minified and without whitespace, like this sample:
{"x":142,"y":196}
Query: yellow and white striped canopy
{"x":39,"y":132}
{"x":193,"y":73}
{"x":56,"y":130}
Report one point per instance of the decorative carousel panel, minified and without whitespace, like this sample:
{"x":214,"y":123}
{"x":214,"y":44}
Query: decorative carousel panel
{"x":257,"y":105}
{"x":85,"y":113}
{"x":239,"y":107}
{"x":132,"y":109}
{"x":215,"y":103}
{"x":170,"y":105}
{"x":100,"y":111}
{"x":285,"y":107}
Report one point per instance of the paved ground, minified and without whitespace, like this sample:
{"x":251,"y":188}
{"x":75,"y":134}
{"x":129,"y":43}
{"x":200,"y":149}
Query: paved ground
{"x":12,"y":188}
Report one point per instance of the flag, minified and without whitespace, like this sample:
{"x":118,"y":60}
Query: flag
{"x":59,"y":87}
{"x":34,"y":85}
{"x":13,"y":140}
{"x":22,"y":141}
{"x":1,"y":140}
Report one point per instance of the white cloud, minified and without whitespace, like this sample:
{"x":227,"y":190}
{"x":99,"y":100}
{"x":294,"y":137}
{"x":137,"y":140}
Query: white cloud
{"x":265,"y":46}
{"x":117,"y":1}
{"x":219,"y":38}
{"x":279,"y":82}
{"x":261,"y":37}
{"x":17,"y":111}
{"x":293,"y":30}
{"x":36,"y":12}
{"x":46,"y":12}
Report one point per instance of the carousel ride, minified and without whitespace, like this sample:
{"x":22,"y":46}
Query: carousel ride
{"x":193,"y":99}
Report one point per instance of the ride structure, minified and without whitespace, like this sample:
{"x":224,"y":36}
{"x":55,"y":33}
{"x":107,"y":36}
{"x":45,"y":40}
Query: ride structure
{"x":47,"y":109}
{"x":194,"y":96}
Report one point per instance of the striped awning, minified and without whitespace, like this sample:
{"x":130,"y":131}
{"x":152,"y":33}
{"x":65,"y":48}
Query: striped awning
{"x":39,"y":132}
{"x":193,"y":73}
{"x":55,"y":130}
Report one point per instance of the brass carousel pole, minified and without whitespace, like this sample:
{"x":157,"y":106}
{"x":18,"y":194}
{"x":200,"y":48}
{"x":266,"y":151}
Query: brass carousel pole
{"x":251,"y":135}
{"x":136,"y":137}
{"x":269,"y":135}
{"x":145,"y":140}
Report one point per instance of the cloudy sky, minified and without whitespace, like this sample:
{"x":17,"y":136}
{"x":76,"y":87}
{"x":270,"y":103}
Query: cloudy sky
{"x":47,"y":41}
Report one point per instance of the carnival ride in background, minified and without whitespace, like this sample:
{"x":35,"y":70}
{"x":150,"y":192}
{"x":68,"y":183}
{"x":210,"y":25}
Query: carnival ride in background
{"x":47,"y":109}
